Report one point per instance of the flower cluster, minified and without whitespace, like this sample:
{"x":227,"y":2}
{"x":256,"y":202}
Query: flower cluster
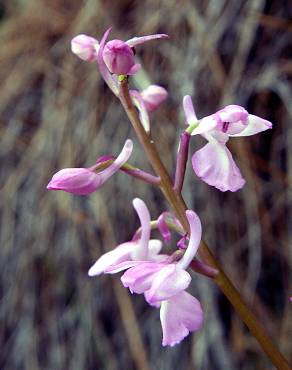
{"x":162,"y":278}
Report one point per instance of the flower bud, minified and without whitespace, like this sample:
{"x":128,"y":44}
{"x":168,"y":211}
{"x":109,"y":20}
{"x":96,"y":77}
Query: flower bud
{"x":80,"y":181}
{"x":119,"y":58}
{"x":83,"y":181}
{"x":85,"y":47}
{"x":153,"y":96}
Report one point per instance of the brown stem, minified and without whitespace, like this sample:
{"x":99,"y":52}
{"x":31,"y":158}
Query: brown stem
{"x":181,"y":161}
{"x":177,"y":203}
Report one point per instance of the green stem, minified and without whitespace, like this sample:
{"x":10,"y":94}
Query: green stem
{"x":178,"y":204}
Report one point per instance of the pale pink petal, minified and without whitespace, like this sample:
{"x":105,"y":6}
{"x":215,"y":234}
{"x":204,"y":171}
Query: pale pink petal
{"x":153,"y":96}
{"x":254,"y":126}
{"x":194,"y":242}
{"x":113,"y":269}
{"x":215,"y":166}
{"x":163,"y":228}
{"x":180,"y":315}
{"x":140,"y":40}
{"x":154,"y":247}
{"x":205,"y":125}
{"x":141,"y":252}
{"x":232,"y":119}
{"x":118,"y":163}
{"x":189,"y":110}
{"x":153,"y":304}
{"x":134,"y":69}
{"x":167,"y":282}
{"x":139,"y":278}
{"x":108,"y":78}
{"x":233,"y":113}
{"x":143,"y":113}
{"x":119,"y":254}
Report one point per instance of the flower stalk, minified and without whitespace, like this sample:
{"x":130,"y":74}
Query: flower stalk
{"x":181,"y":162}
{"x":176,"y":201}
{"x":129,"y":170}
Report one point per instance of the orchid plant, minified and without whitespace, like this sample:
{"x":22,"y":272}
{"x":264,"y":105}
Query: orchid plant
{"x":162,"y":278}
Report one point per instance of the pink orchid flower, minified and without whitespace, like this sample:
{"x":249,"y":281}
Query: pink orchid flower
{"x":83,"y":181}
{"x":148,"y":100}
{"x":214,"y":163}
{"x":114,"y":58}
{"x":163,"y":284}
{"x":139,"y":248}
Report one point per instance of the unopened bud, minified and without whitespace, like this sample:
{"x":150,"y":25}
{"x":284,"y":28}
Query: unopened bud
{"x":80,"y":181}
{"x":153,"y":96}
{"x":85,"y":47}
{"x":119,"y":58}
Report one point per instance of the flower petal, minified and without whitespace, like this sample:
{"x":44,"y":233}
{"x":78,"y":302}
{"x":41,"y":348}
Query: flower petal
{"x":233,"y":113}
{"x":143,"y":113}
{"x":167,"y":282}
{"x":113,"y":269}
{"x":141,"y":252}
{"x":134,"y":69}
{"x":215,"y":166}
{"x":111,"y":82}
{"x":205,"y":124}
{"x":163,"y":228}
{"x":140,"y":40}
{"x":255,"y":125}
{"x":118,"y":163}
{"x":119,"y":254}
{"x":153,"y":96}
{"x":154,"y":246}
{"x":195,"y":238}
{"x":189,"y":110}
{"x":180,"y":315}
{"x":139,"y":278}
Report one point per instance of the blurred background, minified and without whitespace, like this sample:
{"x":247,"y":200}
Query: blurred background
{"x":56,"y":112}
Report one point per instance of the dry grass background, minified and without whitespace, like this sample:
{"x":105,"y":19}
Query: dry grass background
{"x":55,"y":112}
